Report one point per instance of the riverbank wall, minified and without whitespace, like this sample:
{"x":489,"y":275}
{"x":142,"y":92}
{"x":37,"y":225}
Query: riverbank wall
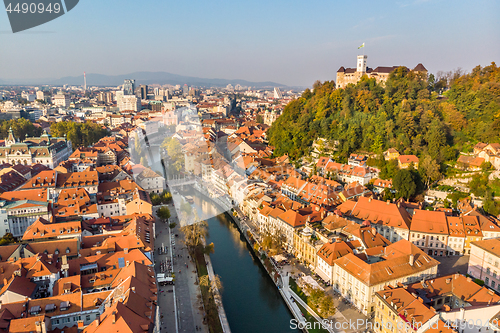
{"x":245,"y":230}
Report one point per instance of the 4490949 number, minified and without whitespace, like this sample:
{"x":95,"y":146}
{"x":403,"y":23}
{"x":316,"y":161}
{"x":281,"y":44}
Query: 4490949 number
{"x":33,"y":8}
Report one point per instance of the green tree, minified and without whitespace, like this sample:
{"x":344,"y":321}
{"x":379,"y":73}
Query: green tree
{"x":163,"y":213}
{"x":436,"y":138}
{"x":389,"y":169}
{"x":404,"y":183}
{"x":21,"y":128}
{"x":155,"y":199}
{"x":479,"y":184}
{"x":8,"y":238}
{"x":388,"y":195}
{"x":491,"y":206}
{"x":80,"y":134}
{"x":486,"y":166}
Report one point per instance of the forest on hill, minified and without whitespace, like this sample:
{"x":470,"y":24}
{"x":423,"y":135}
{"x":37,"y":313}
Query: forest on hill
{"x":406,"y":113}
{"x":410,"y":113}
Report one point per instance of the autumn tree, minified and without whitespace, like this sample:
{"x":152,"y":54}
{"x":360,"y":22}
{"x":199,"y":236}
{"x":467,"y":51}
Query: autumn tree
{"x":430,"y":170}
{"x":195,"y":234}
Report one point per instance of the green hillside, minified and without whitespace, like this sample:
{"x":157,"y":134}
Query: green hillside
{"x":406,"y":114}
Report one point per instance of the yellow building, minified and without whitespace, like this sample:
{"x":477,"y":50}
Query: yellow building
{"x":306,"y":246}
{"x":404,"y":161}
{"x":397,"y":308}
{"x":391,"y":154}
{"x":472,"y":232}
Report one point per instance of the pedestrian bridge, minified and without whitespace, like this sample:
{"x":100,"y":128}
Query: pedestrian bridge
{"x":181,"y":181}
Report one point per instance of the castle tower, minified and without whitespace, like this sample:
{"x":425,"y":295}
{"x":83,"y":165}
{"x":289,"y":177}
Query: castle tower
{"x":361,"y":67}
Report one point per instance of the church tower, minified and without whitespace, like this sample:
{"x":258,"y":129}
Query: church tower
{"x":10,"y":139}
{"x":361,"y":67}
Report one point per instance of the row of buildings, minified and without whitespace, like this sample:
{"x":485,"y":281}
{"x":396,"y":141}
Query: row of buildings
{"x":84,"y":260}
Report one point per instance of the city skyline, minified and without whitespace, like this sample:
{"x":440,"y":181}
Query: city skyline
{"x":290,"y":43}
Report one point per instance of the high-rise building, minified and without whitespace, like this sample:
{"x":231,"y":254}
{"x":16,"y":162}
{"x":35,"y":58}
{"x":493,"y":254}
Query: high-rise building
{"x":106,"y":97}
{"x":277,"y":93}
{"x":129,"y":87}
{"x":128,"y":103}
{"x":144,"y":91}
{"x":61,"y":100}
{"x":28,"y":96}
{"x":185,"y":89}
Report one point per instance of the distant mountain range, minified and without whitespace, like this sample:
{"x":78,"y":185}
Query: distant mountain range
{"x":140,"y":78}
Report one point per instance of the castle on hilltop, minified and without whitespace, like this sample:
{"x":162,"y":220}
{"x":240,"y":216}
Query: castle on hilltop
{"x":381,"y":74}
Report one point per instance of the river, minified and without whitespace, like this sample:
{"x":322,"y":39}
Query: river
{"x":251,"y":300}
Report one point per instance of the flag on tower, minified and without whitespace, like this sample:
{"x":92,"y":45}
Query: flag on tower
{"x":362,"y":45}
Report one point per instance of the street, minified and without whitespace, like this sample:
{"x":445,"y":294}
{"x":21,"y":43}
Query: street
{"x":180,"y":305}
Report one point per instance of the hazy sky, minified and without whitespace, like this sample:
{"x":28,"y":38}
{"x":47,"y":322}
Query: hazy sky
{"x":286,"y":41}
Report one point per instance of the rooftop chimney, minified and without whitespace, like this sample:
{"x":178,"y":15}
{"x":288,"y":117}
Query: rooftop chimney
{"x":374,"y":231}
{"x":412,"y":259}
{"x":113,"y":317}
